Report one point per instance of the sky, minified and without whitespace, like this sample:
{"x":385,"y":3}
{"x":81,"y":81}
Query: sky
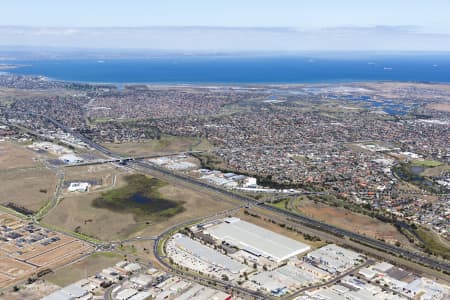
{"x":228,"y":25}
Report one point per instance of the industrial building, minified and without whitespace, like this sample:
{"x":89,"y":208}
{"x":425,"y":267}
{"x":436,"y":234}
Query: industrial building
{"x":78,"y":187}
{"x":71,"y":159}
{"x":256,"y":240}
{"x":70,"y":292}
{"x":207,"y":254}
{"x":334,"y":259}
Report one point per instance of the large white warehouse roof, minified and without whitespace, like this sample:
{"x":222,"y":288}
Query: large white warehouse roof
{"x":257,"y":240}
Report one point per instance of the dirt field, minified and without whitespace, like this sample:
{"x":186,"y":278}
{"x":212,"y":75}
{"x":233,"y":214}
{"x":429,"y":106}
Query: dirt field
{"x":167,"y":144}
{"x":345,"y":219}
{"x":30,"y":188}
{"x":436,"y":171}
{"x":440,"y":106}
{"x":14,"y":156}
{"x":36,"y":184}
{"x":84,"y":268}
{"x":60,"y":253}
{"x":34,"y":291}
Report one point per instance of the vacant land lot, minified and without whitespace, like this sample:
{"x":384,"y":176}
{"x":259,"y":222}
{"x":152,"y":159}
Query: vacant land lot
{"x":436,"y":171}
{"x":34,"y":291}
{"x":25,"y":182}
{"x":434,"y":243}
{"x":141,"y":197}
{"x":87,"y":267}
{"x":30,"y":188}
{"x":167,"y":144}
{"x":440,"y":106}
{"x":345,"y":219}
{"x":15,"y":156}
{"x":426,"y":163}
{"x":77,"y":213}
{"x":196,"y":205}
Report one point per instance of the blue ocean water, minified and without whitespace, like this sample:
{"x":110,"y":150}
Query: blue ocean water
{"x":227,"y":69}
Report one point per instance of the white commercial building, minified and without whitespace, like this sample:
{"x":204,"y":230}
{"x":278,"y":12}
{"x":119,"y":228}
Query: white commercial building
{"x":257,"y":240}
{"x":334,"y":259}
{"x":71,"y":159}
{"x":70,"y":292}
{"x":207,"y":255}
{"x":78,"y":187}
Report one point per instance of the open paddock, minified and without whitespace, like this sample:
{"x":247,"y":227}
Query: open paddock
{"x":76,"y":213}
{"x":167,"y":144}
{"x":445,"y":107}
{"x":35,"y":187}
{"x":348,"y":220}
{"x":88,"y":266}
{"x":15,"y":156}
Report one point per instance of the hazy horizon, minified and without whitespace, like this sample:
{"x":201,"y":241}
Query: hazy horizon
{"x":232,"y":26}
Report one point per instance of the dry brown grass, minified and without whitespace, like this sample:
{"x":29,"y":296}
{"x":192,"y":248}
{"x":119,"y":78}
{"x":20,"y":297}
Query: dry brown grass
{"x":29,"y":188}
{"x":84,"y":268}
{"x":436,"y":171}
{"x":14,"y":156}
{"x":196,"y":205}
{"x":439,"y":106}
{"x":75,"y":212}
{"x":345,"y":219}
{"x":25,"y":181}
{"x":34,"y":291}
{"x":167,"y":144}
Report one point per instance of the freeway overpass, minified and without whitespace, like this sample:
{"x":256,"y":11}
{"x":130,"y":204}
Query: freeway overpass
{"x":126,"y":159}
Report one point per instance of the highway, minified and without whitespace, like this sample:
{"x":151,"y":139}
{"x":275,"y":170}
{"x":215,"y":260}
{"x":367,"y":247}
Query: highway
{"x":300,"y":219}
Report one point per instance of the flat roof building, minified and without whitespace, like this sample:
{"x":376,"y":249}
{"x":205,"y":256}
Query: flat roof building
{"x":257,"y":240}
{"x":207,"y":254}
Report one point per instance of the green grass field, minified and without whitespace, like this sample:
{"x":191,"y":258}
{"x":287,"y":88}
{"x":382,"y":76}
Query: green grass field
{"x":141,"y":198}
{"x":432,"y":243}
{"x":280,"y":204}
{"x":426,"y":163}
